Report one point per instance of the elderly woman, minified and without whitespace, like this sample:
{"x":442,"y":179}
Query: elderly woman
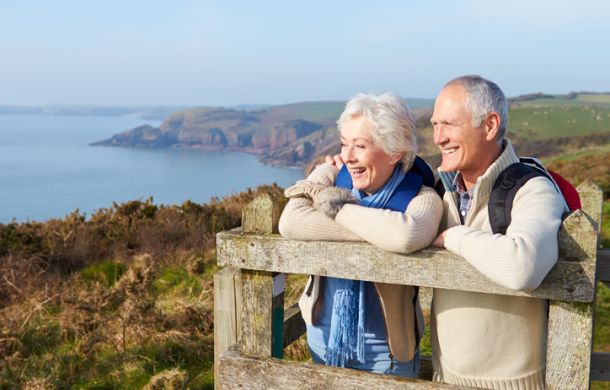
{"x":376,"y":190}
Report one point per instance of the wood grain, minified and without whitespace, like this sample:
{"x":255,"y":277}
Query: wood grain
{"x":227,"y":312}
{"x":439,"y":268}
{"x":569,"y":345}
{"x":239,"y":371}
{"x":570,"y":329}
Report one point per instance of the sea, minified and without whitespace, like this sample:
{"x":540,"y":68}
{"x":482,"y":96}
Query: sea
{"x":48,"y":169}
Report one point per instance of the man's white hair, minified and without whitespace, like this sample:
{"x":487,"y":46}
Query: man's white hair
{"x":392,"y":123}
{"x":484,"y":97}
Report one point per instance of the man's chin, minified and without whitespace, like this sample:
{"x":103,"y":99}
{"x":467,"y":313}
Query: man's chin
{"x":449,"y":167}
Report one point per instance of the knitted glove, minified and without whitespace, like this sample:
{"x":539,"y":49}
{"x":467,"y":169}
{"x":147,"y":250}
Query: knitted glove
{"x":331,"y":199}
{"x":304,"y":188}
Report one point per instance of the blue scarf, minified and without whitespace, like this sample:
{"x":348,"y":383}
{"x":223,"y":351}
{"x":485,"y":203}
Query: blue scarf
{"x":346,"y":339}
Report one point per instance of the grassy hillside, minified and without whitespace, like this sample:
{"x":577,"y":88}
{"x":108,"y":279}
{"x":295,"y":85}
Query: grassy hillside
{"x":325,"y":113}
{"x":541,"y":122}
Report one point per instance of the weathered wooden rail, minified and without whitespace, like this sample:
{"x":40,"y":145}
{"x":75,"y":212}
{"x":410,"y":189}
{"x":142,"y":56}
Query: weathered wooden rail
{"x":251,"y":327}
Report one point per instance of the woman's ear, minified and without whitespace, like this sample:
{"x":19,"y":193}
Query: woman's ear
{"x":396,"y":158}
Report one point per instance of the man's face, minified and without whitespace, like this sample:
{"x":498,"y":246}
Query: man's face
{"x":463,"y":147}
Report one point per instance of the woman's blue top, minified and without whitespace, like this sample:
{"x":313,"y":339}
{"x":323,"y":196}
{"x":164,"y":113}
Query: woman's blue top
{"x":376,"y":350}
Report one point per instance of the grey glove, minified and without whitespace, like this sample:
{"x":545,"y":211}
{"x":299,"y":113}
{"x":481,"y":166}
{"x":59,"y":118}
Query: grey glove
{"x":331,"y":199}
{"x":304,"y":188}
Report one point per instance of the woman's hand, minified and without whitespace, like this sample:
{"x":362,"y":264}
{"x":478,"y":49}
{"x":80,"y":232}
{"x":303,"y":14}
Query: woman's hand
{"x":331,"y":199}
{"x":335,"y":161}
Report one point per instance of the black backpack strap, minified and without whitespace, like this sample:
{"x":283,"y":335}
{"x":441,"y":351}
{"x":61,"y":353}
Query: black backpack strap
{"x":440,"y":188}
{"x":503,"y":193}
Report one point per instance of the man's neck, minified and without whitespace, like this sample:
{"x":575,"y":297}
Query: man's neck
{"x":471,"y":181}
{"x":470,"y":178}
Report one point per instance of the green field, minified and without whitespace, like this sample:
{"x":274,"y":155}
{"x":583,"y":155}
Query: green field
{"x":326,"y":112}
{"x":601,"y":100}
{"x":321,"y":112}
{"x":539,"y":122}
{"x":594,"y":98}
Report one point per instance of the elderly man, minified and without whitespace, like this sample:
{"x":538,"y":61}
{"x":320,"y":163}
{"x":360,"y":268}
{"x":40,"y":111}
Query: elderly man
{"x":487,"y":340}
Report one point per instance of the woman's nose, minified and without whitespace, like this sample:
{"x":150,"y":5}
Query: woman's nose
{"x":347,"y":154}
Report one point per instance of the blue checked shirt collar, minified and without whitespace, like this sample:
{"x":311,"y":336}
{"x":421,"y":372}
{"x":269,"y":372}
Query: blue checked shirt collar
{"x":465,"y":196}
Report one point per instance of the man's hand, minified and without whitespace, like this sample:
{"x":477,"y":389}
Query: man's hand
{"x":439,"y":241}
{"x":335,"y":161}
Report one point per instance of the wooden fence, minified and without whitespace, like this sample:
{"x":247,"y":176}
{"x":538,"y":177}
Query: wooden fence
{"x":251,"y":327}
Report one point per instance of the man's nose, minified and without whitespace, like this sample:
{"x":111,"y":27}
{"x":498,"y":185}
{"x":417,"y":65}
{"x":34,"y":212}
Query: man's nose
{"x":439,"y":135}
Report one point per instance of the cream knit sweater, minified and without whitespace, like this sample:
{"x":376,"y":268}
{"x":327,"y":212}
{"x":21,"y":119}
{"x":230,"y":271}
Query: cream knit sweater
{"x":496,"y":341}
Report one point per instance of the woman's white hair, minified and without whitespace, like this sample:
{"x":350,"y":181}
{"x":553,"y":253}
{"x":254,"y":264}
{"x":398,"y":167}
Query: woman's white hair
{"x":392,"y":123}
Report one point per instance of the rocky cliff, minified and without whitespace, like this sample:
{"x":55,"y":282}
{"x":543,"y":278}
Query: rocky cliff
{"x":291,"y":135}
{"x":261,"y":132}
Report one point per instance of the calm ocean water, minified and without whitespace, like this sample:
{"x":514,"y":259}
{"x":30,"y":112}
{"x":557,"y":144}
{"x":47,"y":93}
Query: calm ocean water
{"x":48,"y":170}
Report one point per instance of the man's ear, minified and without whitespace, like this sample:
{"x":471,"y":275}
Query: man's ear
{"x":492,"y":126}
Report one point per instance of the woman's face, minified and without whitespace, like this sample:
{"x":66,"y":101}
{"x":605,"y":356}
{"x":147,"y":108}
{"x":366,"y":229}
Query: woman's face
{"x":369,"y":166}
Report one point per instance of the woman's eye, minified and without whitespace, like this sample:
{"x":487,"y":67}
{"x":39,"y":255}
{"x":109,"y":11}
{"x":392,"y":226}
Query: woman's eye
{"x":361,"y":146}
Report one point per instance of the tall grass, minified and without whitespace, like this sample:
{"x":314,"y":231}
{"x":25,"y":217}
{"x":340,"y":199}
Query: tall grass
{"x":120,"y":300}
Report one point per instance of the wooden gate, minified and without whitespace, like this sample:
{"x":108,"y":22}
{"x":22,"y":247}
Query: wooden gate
{"x":251,"y":328}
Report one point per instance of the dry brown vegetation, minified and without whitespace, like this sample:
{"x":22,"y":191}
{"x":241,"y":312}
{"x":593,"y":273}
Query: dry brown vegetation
{"x":122,"y":299}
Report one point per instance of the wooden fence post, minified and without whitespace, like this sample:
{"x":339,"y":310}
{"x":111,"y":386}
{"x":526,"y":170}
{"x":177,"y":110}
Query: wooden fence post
{"x":570,"y":329}
{"x":263,"y":292}
{"x":227,"y":313}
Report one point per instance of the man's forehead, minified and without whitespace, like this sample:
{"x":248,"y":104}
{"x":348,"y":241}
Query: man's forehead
{"x":449,"y":104}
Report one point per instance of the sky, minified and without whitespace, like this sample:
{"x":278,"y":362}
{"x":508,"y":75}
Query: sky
{"x":212,"y":53}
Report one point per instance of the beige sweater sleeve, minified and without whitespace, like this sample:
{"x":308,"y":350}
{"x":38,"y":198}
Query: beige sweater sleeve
{"x":390,"y":230}
{"x":394,"y":231}
{"x":523,"y":257}
{"x":301,"y":221}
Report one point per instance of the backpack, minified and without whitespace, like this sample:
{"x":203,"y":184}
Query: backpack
{"x":508,"y":184}
{"x":512,"y":179}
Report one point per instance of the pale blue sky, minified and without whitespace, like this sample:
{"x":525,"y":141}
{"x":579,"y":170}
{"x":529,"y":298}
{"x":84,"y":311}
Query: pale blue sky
{"x":233,"y":52}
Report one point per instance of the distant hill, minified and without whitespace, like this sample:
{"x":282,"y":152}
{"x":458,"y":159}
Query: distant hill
{"x":290,"y":134}
{"x":299,"y":133}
